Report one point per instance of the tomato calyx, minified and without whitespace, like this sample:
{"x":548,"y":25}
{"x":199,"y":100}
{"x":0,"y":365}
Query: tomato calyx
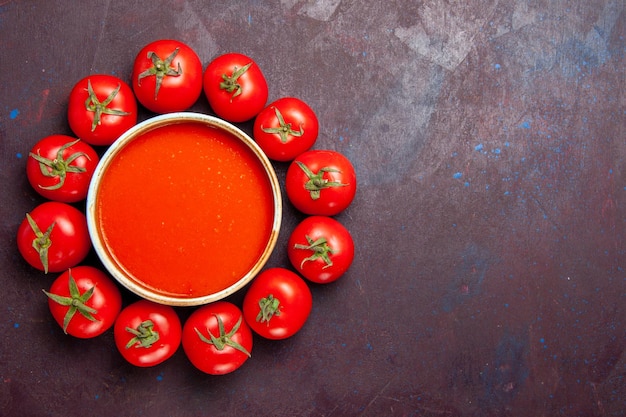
{"x":42,"y":241}
{"x":76,"y":302}
{"x":224,"y":339}
{"x":284,"y":130}
{"x":231,"y":84}
{"x":320,"y":249}
{"x":92,"y":104}
{"x":160,"y":69}
{"x":269,"y":308}
{"x":144,"y":335}
{"x":59,"y":167}
{"x":317,"y":182}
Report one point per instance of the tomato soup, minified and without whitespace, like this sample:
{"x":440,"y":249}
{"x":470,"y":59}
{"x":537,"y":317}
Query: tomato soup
{"x":185,"y":210}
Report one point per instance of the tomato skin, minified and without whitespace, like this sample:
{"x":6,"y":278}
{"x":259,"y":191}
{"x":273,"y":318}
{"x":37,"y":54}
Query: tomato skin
{"x":253,"y":90}
{"x":110,"y":126}
{"x":106,"y":300}
{"x":339,"y":248}
{"x":70,"y":242}
{"x":165,"y":322}
{"x":70,"y":169}
{"x":206,"y":357}
{"x":336,"y":174}
{"x":176,"y":92}
{"x":294,"y":298}
{"x":300,"y":125}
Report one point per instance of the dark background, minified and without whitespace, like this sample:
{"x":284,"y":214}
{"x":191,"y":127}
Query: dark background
{"x":489,"y":141}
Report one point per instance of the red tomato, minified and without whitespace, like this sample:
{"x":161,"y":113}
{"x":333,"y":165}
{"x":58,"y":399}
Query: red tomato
{"x":167,"y":76}
{"x":321,"y":249}
{"x":60,"y":168}
{"x":54,"y":237}
{"x":216,"y":339}
{"x":147,"y":333}
{"x":235,"y":87}
{"x":277,"y":303}
{"x":84,"y":301}
{"x":101,"y":107}
{"x":286,"y":128}
{"x":321,"y":182}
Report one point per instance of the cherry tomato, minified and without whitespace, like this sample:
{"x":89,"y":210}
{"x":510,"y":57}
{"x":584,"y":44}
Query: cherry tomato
{"x":321,"y":182}
{"x":321,"y":249}
{"x":101,"y":107}
{"x":60,"y":167}
{"x":147,"y":333}
{"x":216,"y":339}
{"x":84,"y":301}
{"x":54,"y":237}
{"x":235,"y":87}
{"x":277,"y":304}
{"x":167,"y":76}
{"x":286,"y":128}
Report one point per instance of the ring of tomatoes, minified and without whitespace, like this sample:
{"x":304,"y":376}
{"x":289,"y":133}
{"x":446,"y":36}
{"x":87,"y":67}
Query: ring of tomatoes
{"x":217,"y":338}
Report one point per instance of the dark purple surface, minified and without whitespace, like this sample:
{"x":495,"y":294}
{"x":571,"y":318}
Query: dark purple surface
{"x":489,"y":143}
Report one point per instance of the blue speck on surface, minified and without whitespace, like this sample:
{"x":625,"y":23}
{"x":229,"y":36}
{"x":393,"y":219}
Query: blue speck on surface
{"x":159,"y":377}
{"x":497,"y":66}
{"x":19,"y":155}
{"x":340,"y":138}
{"x":478,"y":147}
{"x":457,"y":175}
{"x":16,"y":325}
{"x":14,"y":113}
{"x":525,"y":125}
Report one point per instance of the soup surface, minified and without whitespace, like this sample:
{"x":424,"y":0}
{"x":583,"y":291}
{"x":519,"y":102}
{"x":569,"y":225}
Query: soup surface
{"x":185,"y":209}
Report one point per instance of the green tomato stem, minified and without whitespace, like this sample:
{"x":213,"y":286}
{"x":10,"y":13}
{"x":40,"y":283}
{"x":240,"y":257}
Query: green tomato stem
{"x":320,"y":248}
{"x":76,"y":302}
{"x":144,"y":335}
{"x":269,"y":308}
{"x":42,"y":241}
{"x":223,"y":339}
{"x":59,"y":166}
{"x":317,"y":182}
{"x":161,"y":69}
{"x":92,"y":104}
{"x":230,"y":83}
{"x":284,"y":129}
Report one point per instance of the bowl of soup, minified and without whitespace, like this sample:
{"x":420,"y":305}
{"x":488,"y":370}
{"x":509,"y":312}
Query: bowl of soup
{"x":184,"y":209}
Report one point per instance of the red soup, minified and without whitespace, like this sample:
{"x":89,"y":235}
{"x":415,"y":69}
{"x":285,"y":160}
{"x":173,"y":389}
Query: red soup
{"x":185,"y":210}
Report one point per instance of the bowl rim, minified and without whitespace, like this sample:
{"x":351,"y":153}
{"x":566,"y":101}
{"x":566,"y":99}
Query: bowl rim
{"x":109,"y":156}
